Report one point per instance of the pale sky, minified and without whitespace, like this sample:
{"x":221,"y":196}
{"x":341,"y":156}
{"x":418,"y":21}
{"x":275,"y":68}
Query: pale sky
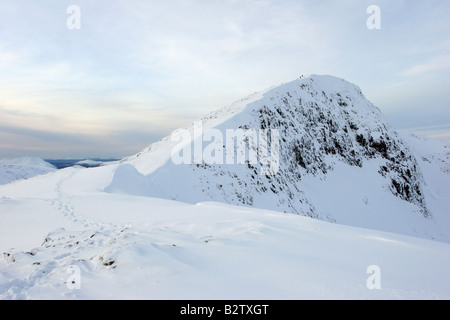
{"x":136,"y":70}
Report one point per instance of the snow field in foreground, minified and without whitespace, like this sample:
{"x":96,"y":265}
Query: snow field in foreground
{"x":129,"y":247}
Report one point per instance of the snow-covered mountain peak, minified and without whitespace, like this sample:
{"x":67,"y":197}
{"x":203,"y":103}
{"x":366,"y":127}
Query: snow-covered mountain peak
{"x":322,"y":123}
{"x":310,"y":83}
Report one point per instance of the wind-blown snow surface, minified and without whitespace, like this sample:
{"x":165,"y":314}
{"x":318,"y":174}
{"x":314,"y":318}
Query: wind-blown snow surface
{"x":132,"y":247}
{"x":23,"y":168}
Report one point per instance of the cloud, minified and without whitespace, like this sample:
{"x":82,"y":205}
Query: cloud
{"x":19,"y":141}
{"x":436,"y":64}
{"x":441,"y":136}
{"x":148,"y":67}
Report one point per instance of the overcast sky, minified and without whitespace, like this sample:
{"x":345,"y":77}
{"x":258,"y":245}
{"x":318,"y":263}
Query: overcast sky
{"x":136,"y":70}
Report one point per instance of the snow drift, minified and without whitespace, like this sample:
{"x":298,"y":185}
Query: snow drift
{"x":127,"y":180}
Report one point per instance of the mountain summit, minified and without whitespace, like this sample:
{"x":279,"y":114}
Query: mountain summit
{"x":314,"y":146}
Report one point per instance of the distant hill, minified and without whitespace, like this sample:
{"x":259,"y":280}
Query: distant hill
{"x":23,"y":168}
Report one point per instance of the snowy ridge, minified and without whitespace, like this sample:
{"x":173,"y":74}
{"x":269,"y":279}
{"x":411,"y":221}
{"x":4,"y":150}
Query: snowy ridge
{"x":328,"y":132}
{"x":23,"y":168}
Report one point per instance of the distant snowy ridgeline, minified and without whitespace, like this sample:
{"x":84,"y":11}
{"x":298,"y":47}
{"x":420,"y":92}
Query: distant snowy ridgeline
{"x":23,"y":168}
{"x":87,"y":163}
{"x":28,"y":167}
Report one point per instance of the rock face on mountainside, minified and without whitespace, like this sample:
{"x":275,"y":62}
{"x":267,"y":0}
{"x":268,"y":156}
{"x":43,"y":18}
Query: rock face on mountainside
{"x":321,"y":122}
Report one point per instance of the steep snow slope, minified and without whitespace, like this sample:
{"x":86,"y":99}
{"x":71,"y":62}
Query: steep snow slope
{"x":338,"y":160}
{"x":22,"y":168}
